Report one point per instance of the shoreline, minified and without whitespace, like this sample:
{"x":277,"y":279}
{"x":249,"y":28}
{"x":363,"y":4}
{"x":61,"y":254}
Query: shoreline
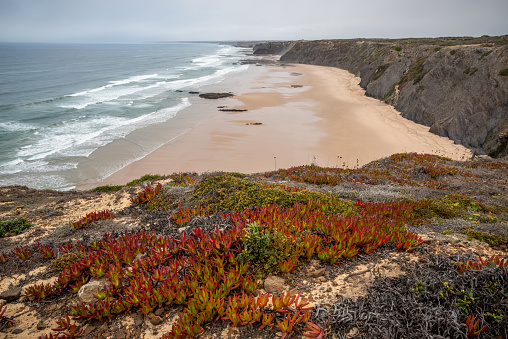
{"x":296,"y":115}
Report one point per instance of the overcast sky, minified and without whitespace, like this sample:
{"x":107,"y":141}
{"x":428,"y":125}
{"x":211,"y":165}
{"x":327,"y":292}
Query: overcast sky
{"x":170,"y":20}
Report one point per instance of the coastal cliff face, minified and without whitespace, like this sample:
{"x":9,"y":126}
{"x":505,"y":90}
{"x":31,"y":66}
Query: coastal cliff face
{"x":456,"y":86}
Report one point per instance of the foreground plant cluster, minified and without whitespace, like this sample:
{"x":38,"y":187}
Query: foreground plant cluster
{"x":276,"y":229}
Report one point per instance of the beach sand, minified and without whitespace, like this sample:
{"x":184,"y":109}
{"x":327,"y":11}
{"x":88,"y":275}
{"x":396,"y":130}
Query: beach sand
{"x":327,"y":121}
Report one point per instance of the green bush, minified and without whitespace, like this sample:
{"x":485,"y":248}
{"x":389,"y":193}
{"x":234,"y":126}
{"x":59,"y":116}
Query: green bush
{"x":453,"y":51}
{"x":16,"y":226}
{"x":491,"y":239}
{"x":107,"y":188}
{"x":143,"y":178}
{"x":398,"y":48}
{"x":228,"y":192}
{"x":504,"y":72}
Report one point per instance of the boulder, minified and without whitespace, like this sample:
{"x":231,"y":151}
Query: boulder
{"x":274,"y":284}
{"x":317,"y":272}
{"x":11,"y":295}
{"x":87,"y":292}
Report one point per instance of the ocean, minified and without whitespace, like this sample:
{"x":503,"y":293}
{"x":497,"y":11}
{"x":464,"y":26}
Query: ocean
{"x":61,"y":102}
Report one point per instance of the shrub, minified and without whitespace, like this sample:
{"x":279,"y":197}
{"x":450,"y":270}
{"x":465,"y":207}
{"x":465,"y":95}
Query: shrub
{"x":145,"y":177}
{"x":227,"y":192}
{"x":16,"y":226}
{"x":504,"y":72}
{"x":107,"y":188}
{"x":398,"y":48}
{"x":491,"y":239}
{"x":453,"y":51}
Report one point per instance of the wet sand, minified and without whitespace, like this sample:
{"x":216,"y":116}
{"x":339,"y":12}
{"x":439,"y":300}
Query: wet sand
{"x":327,"y":121}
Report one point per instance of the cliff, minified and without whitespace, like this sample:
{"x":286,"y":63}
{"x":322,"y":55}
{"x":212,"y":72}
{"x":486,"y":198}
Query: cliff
{"x":456,"y":86}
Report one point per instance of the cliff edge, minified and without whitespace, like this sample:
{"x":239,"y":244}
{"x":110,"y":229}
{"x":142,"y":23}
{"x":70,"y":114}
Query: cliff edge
{"x":456,"y":86}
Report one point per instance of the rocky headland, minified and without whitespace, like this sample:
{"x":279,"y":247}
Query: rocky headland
{"x":456,"y":86}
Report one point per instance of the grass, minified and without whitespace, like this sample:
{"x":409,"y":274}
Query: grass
{"x":107,"y":188}
{"x":145,"y":177}
{"x":16,"y":226}
{"x":380,"y":71}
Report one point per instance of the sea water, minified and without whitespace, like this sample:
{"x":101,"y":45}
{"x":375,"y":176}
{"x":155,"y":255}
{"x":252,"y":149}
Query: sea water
{"x":61,"y":102}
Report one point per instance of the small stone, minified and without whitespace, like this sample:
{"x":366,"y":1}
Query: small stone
{"x":87,"y":292}
{"x":329,"y":289}
{"x":121,"y":334}
{"x":334,"y":283}
{"x":322,"y":288}
{"x":321,"y":279}
{"x":503,"y":247}
{"x":159,"y":311}
{"x":106,"y":334}
{"x":11,"y":295}
{"x":17,"y":331}
{"x":274,"y":284}
{"x":293,"y":292}
{"x":156,"y":320}
{"x":138,"y":321}
{"x":317,"y":273}
{"x":88,"y":329}
{"x":41,"y":326}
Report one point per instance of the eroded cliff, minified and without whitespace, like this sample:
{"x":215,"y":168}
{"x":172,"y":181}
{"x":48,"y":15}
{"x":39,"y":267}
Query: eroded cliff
{"x":456,"y":86}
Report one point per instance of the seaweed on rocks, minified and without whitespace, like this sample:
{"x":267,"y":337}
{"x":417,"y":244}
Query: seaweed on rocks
{"x":433,"y":300}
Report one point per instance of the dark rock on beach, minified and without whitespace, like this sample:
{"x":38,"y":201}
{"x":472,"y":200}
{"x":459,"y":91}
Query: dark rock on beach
{"x":215,"y":95}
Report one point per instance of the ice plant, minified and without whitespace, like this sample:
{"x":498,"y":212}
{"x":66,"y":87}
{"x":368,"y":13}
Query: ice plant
{"x":288,"y":323}
{"x":287,"y":266}
{"x":313,"y":331}
{"x":46,"y":251}
{"x":66,"y":247}
{"x":3,"y":317}
{"x":472,"y":326}
{"x":22,"y":252}
{"x":148,"y":194}
{"x":3,"y":258}
{"x":92,"y":217}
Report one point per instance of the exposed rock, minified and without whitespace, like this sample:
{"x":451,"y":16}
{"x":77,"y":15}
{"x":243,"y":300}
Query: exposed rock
{"x":232,"y":110}
{"x":457,"y":90}
{"x":156,"y":320}
{"x":274,"y":284}
{"x":215,"y":95}
{"x":159,"y":311}
{"x":11,"y":295}
{"x":17,"y":331}
{"x":87,"y":292}
{"x":254,"y":123}
{"x":317,"y":272}
{"x":138,"y":321}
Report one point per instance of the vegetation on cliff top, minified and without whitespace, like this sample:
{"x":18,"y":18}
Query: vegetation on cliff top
{"x":220,"y":235}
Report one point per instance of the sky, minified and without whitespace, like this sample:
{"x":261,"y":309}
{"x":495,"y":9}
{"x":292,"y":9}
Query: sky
{"x":130,"y":21}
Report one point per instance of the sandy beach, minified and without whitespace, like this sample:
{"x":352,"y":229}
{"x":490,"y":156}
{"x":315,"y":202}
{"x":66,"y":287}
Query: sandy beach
{"x":296,"y":115}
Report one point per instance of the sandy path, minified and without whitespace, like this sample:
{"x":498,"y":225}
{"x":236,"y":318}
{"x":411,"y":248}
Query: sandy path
{"x":328,"y":121}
